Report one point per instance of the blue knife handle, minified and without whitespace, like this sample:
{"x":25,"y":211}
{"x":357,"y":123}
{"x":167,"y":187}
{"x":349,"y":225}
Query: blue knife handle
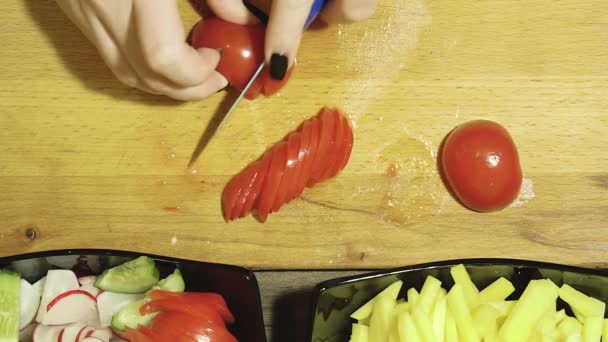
{"x":317,"y":6}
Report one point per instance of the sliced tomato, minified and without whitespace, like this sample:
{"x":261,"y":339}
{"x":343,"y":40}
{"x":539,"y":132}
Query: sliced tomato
{"x":315,"y":134}
{"x":189,"y":302}
{"x":262,"y":169}
{"x":275,"y":174}
{"x":349,"y":143}
{"x":256,"y":88}
{"x":291,"y":165}
{"x":325,"y":145}
{"x":299,"y":179}
{"x":230,"y":196}
{"x":179,"y":327}
{"x":248,"y":177}
{"x":335,"y":154}
{"x":317,"y":150}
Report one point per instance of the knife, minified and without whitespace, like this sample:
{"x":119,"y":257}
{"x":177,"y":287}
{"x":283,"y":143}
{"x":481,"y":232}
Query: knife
{"x":316,"y":8}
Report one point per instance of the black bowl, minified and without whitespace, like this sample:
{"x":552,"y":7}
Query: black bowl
{"x":334,"y":300}
{"x":237,"y":285}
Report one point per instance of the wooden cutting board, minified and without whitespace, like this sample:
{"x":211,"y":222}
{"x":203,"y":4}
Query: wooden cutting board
{"x":86,"y":162}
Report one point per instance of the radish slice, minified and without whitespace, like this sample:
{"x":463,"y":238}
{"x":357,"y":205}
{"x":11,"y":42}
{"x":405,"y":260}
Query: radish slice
{"x":70,"y":333}
{"x":103,"y":334}
{"x":82,"y":334}
{"x":71,"y":307}
{"x":29,"y":301}
{"x":56,"y":283}
{"x":90,"y":288}
{"x":46,"y":333}
{"x":92,"y":339}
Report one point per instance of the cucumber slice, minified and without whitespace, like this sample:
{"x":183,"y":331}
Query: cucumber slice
{"x":10,"y":285}
{"x":129,"y":316}
{"x":135,"y":276}
{"x":173,"y":283}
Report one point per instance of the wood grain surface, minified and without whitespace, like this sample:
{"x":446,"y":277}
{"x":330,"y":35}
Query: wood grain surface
{"x":86,"y":162}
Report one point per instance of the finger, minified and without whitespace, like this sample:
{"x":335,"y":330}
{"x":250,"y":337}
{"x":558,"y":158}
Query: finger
{"x":161,"y":35}
{"x":214,"y":83}
{"x":233,"y":11}
{"x":107,"y":47}
{"x":348,"y":11}
{"x":284,"y":33}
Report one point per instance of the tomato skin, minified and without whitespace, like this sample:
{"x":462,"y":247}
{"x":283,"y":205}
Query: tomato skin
{"x":480,"y":164}
{"x":318,"y":149}
{"x":242,"y":52}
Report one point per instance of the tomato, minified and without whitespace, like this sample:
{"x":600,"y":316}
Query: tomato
{"x":184,"y":316}
{"x":179,"y":327}
{"x":480,"y":164}
{"x":242,"y":52}
{"x":317,"y":150}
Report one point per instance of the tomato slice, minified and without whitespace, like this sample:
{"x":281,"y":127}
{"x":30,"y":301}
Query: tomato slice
{"x":256,"y":88}
{"x":273,"y":180}
{"x":321,"y":162}
{"x":315,"y":134}
{"x":246,"y":180}
{"x":297,"y":168}
{"x":262,"y":170}
{"x":303,"y":152}
{"x":231,"y":195}
{"x":293,"y":143}
{"x":350,"y":145}
{"x":179,"y":327}
{"x":335,"y":157}
{"x":188,"y":302}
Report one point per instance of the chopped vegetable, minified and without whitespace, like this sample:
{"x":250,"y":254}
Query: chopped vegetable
{"x":319,"y":149}
{"x":10,"y":284}
{"x":135,"y":276}
{"x":437,"y":315}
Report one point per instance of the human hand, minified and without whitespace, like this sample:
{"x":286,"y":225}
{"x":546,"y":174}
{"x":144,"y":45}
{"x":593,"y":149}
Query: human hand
{"x":143,"y":43}
{"x":286,"y":20}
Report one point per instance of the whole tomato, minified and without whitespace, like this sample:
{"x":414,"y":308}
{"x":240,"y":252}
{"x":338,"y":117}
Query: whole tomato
{"x":480,"y":163}
{"x":242,"y":52}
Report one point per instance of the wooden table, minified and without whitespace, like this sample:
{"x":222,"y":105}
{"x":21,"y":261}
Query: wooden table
{"x":86,"y":162}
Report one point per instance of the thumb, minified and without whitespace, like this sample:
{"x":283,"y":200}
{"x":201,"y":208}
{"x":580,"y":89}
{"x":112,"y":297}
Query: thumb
{"x":233,"y":11}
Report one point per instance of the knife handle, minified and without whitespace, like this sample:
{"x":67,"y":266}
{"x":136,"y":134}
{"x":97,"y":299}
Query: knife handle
{"x":316,"y":8}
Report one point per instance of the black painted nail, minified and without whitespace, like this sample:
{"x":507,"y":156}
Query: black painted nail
{"x":278,"y":66}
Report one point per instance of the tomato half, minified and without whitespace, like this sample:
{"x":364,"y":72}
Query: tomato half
{"x":480,"y":163}
{"x":242,"y":52}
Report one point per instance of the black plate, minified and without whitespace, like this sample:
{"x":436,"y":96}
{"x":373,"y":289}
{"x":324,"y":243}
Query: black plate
{"x":334,"y":300}
{"x":237,"y":285}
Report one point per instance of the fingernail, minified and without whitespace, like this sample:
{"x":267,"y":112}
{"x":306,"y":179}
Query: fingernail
{"x":278,"y":66}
